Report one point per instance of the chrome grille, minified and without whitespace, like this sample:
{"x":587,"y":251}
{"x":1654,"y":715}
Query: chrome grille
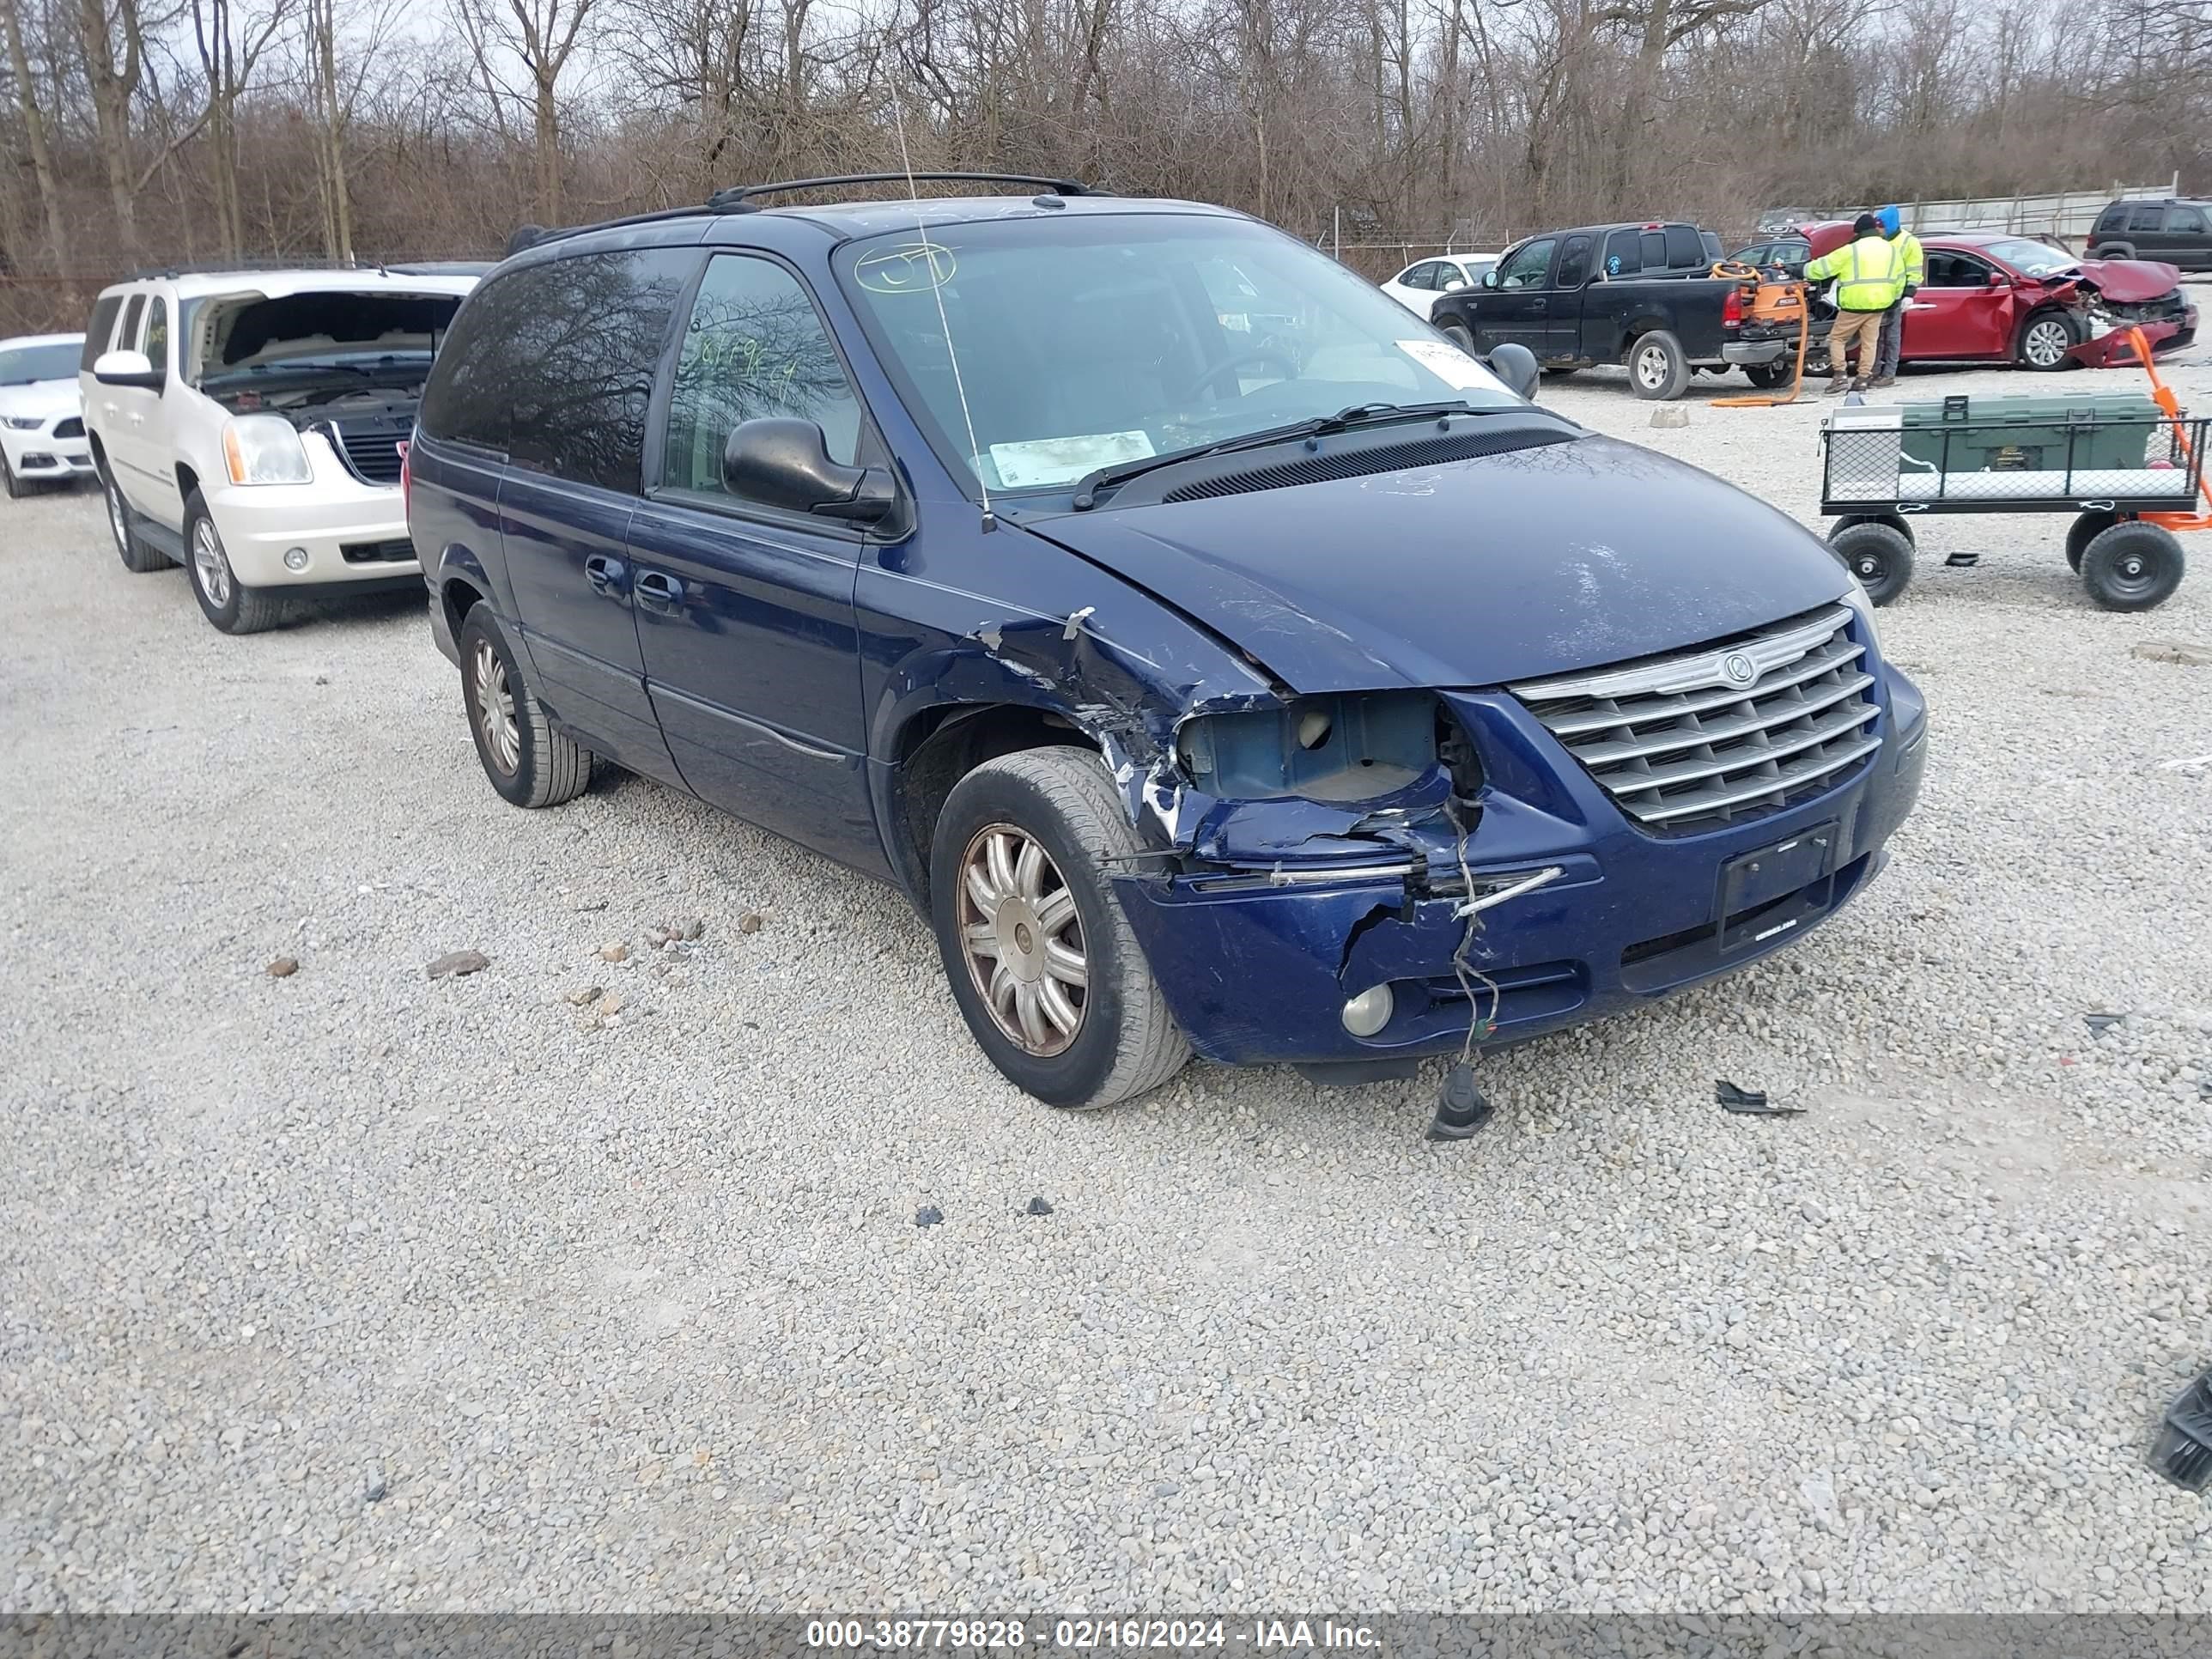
{"x":371,"y":448}
{"x":1723,"y":733}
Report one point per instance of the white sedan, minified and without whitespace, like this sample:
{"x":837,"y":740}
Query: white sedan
{"x":41,"y":413}
{"x":1416,"y":287}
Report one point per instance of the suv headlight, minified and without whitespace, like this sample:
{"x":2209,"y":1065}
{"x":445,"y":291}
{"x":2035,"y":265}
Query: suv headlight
{"x":263,"y":449}
{"x":25,"y":423}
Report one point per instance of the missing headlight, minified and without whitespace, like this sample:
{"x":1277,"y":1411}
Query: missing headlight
{"x":1352,"y":747}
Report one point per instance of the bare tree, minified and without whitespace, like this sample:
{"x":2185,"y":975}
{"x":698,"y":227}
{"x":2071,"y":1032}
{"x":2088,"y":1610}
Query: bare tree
{"x":230,"y":46}
{"x":541,"y":37}
{"x":31,"y":113}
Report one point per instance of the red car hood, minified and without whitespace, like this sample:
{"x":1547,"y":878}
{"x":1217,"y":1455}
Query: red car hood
{"x":2130,"y":281}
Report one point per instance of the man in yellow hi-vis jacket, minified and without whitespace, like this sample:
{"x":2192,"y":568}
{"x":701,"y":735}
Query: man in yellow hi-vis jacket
{"x":1870,"y":273}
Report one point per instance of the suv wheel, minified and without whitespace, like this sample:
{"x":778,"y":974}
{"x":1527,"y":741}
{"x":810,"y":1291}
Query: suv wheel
{"x":1459,"y":336}
{"x":528,"y":762}
{"x":228,"y":603}
{"x":1656,"y":369}
{"x":1041,"y":960}
{"x":136,"y":553}
{"x":2044,"y":343}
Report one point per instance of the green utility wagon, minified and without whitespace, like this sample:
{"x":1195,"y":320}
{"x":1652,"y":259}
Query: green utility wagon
{"x":2110,"y":458}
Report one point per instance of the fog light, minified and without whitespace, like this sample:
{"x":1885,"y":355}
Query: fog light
{"x":1368,"y":1012}
{"x":295,"y":558}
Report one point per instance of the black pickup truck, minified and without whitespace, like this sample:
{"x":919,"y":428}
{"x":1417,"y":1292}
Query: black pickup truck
{"x":1638,"y":294}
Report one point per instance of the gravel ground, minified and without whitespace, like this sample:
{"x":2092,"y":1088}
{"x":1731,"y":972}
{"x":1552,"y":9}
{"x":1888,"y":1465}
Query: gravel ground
{"x":353,"y":1290}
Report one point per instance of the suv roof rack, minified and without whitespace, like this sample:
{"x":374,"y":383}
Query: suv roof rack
{"x":737,"y":198}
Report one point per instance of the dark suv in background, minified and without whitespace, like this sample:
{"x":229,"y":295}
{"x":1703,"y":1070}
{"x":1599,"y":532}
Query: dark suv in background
{"x":2176,"y":231}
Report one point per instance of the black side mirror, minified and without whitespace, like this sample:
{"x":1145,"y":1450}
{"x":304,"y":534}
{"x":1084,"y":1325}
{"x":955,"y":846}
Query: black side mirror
{"x":1490,"y":277}
{"x":1515,"y":365}
{"x":784,"y":462}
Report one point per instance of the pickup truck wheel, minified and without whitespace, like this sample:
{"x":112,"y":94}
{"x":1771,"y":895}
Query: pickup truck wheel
{"x":1879,"y":555}
{"x":1656,"y":369}
{"x":528,"y":762}
{"x":2132,"y":565}
{"x":138,"y":555}
{"x":226,"y":602}
{"x":2046,"y":339}
{"x":2083,"y":531}
{"x":1040,"y":957}
{"x":1769,"y":377}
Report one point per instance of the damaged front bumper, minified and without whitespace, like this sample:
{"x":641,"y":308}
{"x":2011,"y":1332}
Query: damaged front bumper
{"x":2110,"y":348}
{"x":1258,"y":962}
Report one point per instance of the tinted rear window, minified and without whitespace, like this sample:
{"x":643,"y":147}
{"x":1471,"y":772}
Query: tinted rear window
{"x":1624,"y":254}
{"x":1685,"y":247}
{"x":553,"y":364}
{"x":99,"y":329}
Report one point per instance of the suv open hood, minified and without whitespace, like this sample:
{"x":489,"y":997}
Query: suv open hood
{"x":1472,"y":573}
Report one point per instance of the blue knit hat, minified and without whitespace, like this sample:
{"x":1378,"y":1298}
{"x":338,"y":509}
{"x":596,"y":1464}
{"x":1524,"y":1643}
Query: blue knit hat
{"x":1891,"y":220}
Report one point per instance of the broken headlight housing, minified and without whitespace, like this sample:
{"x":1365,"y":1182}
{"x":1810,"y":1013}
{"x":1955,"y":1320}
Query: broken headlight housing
{"x":1352,"y":746}
{"x":263,"y":449}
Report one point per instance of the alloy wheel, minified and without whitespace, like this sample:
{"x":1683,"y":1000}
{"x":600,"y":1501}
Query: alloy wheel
{"x":1652,"y":368}
{"x":495,"y":701}
{"x":210,"y":565}
{"x":115,"y":521}
{"x":1022,"y":938}
{"x":2047,"y":342}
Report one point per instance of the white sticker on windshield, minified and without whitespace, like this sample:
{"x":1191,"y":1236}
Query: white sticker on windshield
{"x":1451,"y":365}
{"x":1062,"y":460}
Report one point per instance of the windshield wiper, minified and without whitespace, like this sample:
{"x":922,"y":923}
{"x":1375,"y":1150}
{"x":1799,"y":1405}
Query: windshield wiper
{"x":1353,"y":414}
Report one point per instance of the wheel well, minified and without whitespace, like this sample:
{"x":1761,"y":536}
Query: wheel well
{"x":187,"y":481}
{"x":459,"y":598}
{"x":941,"y":746}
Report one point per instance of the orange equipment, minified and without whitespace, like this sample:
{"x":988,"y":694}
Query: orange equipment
{"x":1759,"y":300}
{"x":2162,"y":395}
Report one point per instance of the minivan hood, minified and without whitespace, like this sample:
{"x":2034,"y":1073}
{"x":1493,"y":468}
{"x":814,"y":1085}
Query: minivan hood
{"x":1474,"y":572}
{"x":2128,"y":282}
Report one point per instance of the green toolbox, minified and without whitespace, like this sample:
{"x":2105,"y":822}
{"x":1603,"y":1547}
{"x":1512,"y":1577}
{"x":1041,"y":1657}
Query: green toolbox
{"x":2023,"y":432}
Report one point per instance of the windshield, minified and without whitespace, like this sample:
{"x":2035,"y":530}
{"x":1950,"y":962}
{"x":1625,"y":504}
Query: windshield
{"x":1090,"y":341}
{"x":2030,"y":258}
{"x":20,"y":365}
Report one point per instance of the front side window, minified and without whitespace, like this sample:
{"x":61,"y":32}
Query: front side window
{"x":1956,"y":270}
{"x":1525,"y":267}
{"x":2185,"y":222}
{"x":1099,"y":338}
{"x":157,"y":335}
{"x":553,"y":363}
{"x":754,"y":347}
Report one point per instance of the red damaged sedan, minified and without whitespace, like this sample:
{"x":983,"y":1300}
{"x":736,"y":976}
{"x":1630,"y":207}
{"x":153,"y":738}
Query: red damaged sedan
{"x":1990,"y":297}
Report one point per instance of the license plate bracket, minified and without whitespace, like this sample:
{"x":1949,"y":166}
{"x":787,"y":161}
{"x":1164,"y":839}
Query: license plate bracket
{"x":1758,"y":877}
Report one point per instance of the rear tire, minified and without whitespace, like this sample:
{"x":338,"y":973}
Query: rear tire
{"x":1019,"y":973}
{"x":1658,"y":371}
{"x":138,"y":555}
{"x":1879,"y":555}
{"x":2132,"y":565}
{"x":226,"y":602}
{"x":527,"y":761}
{"x":2083,"y":531}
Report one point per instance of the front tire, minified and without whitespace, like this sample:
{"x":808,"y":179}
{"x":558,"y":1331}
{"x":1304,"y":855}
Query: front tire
{"x":1459,"y":335}
{"x":226,"y":602}
{"x":2132,"y":565}
{"x":1040,"y":958}
{"x":1658,"y":371}
{"x":528,"y":762}
{"x":10,"y":482}
{"x":139,"y":555}
{"x":1878,"y":554}
{"x":2045,"y":339}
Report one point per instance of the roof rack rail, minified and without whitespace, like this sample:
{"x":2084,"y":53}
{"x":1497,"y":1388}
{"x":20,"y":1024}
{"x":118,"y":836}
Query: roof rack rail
{"x":528,"y":236}
{"x":737,"y":198}
{"x":215,"y":267}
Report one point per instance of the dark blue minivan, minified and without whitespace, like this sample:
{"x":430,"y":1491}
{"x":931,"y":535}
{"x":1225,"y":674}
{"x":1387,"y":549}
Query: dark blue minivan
{"x":1218,"y":656}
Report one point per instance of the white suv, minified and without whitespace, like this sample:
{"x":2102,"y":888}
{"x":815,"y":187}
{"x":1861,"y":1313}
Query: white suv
{"x":251,"y":426}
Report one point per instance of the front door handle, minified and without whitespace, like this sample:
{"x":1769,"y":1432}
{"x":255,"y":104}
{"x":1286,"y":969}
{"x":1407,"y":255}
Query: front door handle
{"x":604,"y":574}
{"x":659,"y":590}
{"x":1539,"y":305}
